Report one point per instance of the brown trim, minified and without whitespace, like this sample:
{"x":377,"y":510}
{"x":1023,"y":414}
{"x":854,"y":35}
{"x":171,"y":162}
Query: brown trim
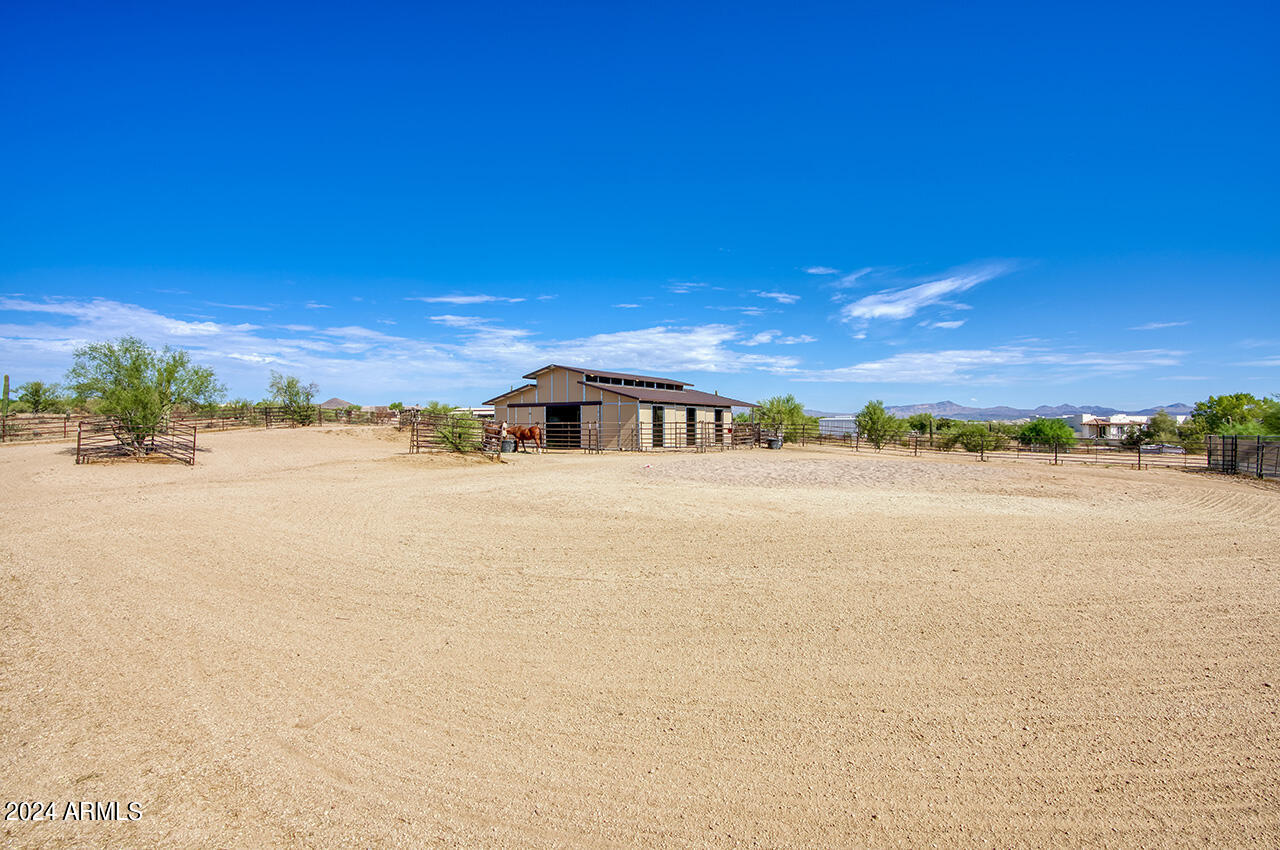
{"x":554,"y":404}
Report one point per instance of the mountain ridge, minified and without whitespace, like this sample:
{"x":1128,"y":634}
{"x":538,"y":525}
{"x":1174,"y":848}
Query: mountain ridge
{"x":953,"y":410}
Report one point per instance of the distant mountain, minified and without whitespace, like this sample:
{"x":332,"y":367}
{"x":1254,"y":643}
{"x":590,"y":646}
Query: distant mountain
{"x":959,"y":411}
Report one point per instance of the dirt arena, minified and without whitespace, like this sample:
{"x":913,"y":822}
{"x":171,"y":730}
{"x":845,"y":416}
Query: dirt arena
{"x":313,"y":638}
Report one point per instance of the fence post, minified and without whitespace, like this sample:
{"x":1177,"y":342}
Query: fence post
{"x":1139,"y":455}
{"x":1259,"y":456}
{"x":4,"y":410}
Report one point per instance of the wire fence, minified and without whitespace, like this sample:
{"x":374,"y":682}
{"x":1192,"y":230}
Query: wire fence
{"x":994,"y":445}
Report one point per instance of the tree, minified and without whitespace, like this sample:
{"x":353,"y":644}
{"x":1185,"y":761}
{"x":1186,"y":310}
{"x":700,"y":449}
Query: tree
{"x":1271,"y":415}
{"x":396,"y":406}
{"x":1046,"y":432}
{"x":1161,"y":428}
{"x":1218,"y":412}
{"x":922,"y":423}
{"x":295,"y":397}
{"x":785,"y":414}
{"x":877,"y":426}
{"x":41,"y":397}
{"x":437,"y":408}
{"x":139,"y":385}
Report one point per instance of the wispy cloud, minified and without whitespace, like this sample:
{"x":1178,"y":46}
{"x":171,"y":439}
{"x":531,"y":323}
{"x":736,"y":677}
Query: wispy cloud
{"x":1155,"y":326}
{"x":684,"y":288}
{"x":775,"y":337}
{"x":627,"y":306}
{"x":464,"y":299}
{"x":905,"y":303}
{"x":452,"y":321}
{"x":951,"y":325}
{"x":1266,"y":362}
{"x":314,"y":305}
{"x":257,"y":307}
{"x":745,"y":310}
{"x":821,"y":270}
{"x":780,"y":297}
{"x":853,"y":278}
{"x":995,"y":365}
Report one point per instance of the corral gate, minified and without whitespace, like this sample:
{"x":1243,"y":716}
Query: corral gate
{"x":1237,"y":455}
{"x":107,"y":437}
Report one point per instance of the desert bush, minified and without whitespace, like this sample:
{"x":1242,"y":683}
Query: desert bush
{"x":973,"y":437}
{"x":1046,"y":432}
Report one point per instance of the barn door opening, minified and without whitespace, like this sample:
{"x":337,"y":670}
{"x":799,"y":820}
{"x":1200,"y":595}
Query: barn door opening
{"x":659,"y":425}
{"x":691,"y":426}
{"x":719,"y":426}
{"x":564,"y":426}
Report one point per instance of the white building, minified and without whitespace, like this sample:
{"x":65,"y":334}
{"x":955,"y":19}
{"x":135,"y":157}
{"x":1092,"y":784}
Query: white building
{"x":1113,"y":427}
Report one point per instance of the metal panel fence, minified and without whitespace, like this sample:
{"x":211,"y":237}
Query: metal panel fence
{"x":1237,"y":455}
{"x":105,"y":437}
{"x":24,"y":427}
{"x":450,"y":433}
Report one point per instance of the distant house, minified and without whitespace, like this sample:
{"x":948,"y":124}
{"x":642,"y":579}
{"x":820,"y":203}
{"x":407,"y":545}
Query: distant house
{"x":336,"y":403}
{"x":1113,"y":427}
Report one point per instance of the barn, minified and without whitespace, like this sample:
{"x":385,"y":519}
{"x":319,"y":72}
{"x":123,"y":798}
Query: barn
{"x":592,"y":408}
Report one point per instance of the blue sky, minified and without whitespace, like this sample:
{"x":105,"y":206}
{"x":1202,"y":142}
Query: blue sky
{"x":989,"y":203}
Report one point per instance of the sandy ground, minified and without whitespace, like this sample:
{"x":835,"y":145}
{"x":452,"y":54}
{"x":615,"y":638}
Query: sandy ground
{"x":313,"y":638}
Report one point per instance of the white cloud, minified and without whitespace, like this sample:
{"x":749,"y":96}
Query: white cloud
{"x":256,"y":307}
{"x":821,"y":270}
{"x":999,"y":364}
{"x":452,"y":321}
{"x":946,"y":325}
{"x":313,"y":305}
{"x":780,"y":297}
{"x":353,"y":358}
{"x":464,"y":299}
{"x":905,"y":303}
{"x":627,"y":306}
{"x":1266,"y":362}
{"x":735,"y":308}
{"x":684,"y":288}
{"x":852,"y":279}
{"x":775,"y":337}
{"x":1155,"y":326}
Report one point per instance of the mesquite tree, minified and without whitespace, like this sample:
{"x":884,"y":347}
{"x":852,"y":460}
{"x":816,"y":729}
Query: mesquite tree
{"x":140,"y":385}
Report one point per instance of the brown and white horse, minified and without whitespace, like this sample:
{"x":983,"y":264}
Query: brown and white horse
{"x":523,"y":434}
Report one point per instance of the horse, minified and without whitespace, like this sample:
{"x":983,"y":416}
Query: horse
{"x":522,"y":434}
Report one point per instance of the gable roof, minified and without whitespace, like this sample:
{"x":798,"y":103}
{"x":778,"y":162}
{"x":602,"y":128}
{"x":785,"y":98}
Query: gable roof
{"x":603,"y":374}
{"x":511,"y":391}
{"x":696,"y":397}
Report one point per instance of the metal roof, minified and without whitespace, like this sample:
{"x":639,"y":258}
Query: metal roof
{"x":604,"y":374}
{"x":511,"y":391}
{"x":695,"y":397}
